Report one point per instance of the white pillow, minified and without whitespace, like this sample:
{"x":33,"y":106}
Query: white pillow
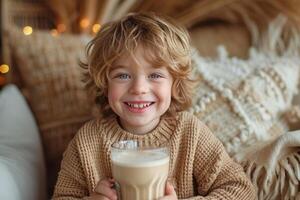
{"x":22,"y":168}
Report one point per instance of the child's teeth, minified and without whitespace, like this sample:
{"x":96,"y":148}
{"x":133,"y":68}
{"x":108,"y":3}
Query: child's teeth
{"x":139,"y":105}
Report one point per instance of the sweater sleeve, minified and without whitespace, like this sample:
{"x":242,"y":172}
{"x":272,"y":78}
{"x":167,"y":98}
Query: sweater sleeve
{"x":218,"y":177}
{"x":71,"y":183}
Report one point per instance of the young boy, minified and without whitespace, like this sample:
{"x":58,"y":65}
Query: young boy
{"x":139,"y":68}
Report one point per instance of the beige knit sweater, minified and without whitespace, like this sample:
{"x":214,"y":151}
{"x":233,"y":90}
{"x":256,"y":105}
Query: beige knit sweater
{"x":199,"y":165}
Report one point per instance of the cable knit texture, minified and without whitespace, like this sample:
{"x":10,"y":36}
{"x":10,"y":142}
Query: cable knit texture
{"x":199,"y":167}
{"x":242,"y":101}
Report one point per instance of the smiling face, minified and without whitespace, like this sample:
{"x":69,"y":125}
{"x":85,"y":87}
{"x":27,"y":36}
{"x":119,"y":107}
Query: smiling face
{"x":138,"y":92}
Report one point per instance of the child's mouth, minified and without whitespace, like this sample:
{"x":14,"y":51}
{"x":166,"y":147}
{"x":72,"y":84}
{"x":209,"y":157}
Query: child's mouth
{"x":138,"y":106}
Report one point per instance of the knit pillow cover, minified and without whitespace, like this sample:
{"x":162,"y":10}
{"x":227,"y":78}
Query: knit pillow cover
{"x":242,"y":101}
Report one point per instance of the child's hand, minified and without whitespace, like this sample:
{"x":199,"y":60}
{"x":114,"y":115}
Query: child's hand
{"x":104,"y":191}
{"x":170,"y":193}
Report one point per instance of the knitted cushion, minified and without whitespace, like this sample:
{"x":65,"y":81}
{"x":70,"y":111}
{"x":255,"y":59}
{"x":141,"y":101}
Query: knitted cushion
{"x":51,"y":74}
{"x":242,"y":100}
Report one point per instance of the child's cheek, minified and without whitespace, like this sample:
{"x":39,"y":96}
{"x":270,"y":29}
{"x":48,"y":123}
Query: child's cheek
{"x":113,"y":95}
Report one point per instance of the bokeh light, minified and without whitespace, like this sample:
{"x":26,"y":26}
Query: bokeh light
{"x":4,"y":68}
{"x":84,"y":23}
{"x":27,"y":30}
{"x":96,"y":28}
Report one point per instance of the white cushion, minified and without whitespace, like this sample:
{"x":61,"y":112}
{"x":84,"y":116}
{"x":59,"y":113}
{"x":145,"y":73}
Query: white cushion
{"x":22,"y":168}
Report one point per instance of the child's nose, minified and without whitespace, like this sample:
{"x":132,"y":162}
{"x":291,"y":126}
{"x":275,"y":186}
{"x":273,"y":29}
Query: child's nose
{"x":139,"y":86}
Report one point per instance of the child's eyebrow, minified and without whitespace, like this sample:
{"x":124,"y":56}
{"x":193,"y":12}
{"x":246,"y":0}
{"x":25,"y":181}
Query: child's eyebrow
{"x":114,"y":67}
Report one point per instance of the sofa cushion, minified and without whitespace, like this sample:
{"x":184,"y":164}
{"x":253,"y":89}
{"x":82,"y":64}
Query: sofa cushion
{"x":52,"y":81}
{"x":22,"y":168}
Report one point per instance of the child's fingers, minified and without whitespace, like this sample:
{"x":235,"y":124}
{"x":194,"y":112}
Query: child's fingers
{"x":106,"y":192}
{"x":170,"y":189}
{"x":104,"y":188}
{"x":107,"y":182}
{"x":170,"y":193}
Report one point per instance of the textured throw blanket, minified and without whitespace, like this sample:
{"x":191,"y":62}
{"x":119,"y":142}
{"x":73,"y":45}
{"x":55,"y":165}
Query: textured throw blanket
{"x":245,"y":103}
{"x":274,"y":167}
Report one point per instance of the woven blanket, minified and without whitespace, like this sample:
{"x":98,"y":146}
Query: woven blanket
{"x":274,"y":167}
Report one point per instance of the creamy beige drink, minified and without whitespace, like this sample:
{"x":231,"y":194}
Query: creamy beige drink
{"x":140,"y":172}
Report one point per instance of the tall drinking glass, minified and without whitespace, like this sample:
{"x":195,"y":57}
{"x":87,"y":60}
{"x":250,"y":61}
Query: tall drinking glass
{"x":140,"y":170}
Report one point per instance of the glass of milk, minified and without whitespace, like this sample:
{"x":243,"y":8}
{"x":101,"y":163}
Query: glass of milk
{"x":140,"y":170}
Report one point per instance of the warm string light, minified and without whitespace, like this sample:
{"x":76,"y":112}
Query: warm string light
{"x":84,"y":23}
{"x":4,"y":68}
{"x":27,"y":30}
{"x":96,"y":28}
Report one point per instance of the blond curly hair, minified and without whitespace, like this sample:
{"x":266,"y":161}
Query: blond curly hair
{"x":168,"y":45}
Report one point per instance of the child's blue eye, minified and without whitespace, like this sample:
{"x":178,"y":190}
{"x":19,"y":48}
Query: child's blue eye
{"x":155,"y":76}
{"x":123,"y":76}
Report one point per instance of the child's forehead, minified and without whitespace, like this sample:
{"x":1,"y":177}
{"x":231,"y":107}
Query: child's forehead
{"x":140,"y":51}
{"x":135,"y":66}
{"x":139,"y":57}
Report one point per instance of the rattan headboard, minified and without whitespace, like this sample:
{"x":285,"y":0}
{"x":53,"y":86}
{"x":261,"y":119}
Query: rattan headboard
{"x":21,"y":13}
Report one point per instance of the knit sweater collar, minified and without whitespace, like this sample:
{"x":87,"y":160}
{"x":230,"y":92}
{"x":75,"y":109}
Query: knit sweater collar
{"x":161,"y":132}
